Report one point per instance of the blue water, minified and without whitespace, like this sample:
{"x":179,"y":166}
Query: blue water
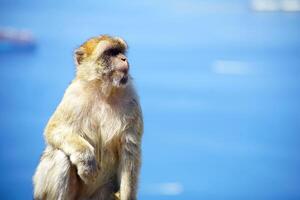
{"x":219,"y":86}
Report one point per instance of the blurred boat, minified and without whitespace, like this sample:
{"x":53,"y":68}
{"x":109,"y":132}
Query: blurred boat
{"x":276,"y":5}
{"x":14,"y":40}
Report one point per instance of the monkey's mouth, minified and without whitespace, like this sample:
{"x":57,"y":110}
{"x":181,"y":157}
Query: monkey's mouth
{"x":124,"y":80}
{"x":120,"y":80}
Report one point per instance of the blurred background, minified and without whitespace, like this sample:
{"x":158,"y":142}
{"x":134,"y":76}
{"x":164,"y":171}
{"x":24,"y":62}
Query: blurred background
{"x":219,"y":82}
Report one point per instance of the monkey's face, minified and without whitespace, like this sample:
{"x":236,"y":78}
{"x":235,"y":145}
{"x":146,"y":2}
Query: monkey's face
{"x":114,"y":66}
{"x":103,"y":58}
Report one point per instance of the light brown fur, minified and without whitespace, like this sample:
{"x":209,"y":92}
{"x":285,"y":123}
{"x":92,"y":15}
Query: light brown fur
{"x":94,"y":137}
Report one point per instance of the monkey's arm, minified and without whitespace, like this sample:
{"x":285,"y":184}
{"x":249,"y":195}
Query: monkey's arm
{"x":129,"y":166}
{"x":131,"y":159}
{"x":81,"y":153}
{"x":70,"y":143}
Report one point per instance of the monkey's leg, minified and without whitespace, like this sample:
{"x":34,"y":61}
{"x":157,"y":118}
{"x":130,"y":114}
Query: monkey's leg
{"x":55,"y":177}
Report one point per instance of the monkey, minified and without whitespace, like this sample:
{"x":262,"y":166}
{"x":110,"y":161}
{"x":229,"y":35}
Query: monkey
{"x":93,"y":139}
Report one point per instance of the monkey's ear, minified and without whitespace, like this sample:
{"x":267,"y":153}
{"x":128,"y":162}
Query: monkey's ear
{"x":79,"y":55}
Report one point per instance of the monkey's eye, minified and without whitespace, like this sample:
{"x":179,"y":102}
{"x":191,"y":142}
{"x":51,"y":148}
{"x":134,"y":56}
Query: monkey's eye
{"x":112,"y":52}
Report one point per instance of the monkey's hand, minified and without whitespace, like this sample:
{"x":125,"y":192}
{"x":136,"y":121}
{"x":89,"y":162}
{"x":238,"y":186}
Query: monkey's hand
{"x":87,"y":166}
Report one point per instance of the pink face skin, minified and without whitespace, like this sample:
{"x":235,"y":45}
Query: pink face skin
{"x":120,"y":69}
{"x":116,"y":66}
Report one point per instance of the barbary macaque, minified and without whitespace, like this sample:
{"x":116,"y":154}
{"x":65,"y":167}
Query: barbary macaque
{"x":93,"y":139}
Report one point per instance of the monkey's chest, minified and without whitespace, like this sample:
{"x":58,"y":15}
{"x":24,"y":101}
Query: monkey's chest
{"x":112,"y":123}
{"x":104,"y":127}
{"x":103,"y":122}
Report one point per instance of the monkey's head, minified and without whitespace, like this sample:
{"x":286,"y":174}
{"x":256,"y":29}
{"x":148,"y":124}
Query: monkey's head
{"x":103,"y":58}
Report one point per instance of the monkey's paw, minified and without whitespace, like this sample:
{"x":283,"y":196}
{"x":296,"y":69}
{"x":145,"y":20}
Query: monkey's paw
{"x":87,"y":167}
{"x":88,"y":171}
